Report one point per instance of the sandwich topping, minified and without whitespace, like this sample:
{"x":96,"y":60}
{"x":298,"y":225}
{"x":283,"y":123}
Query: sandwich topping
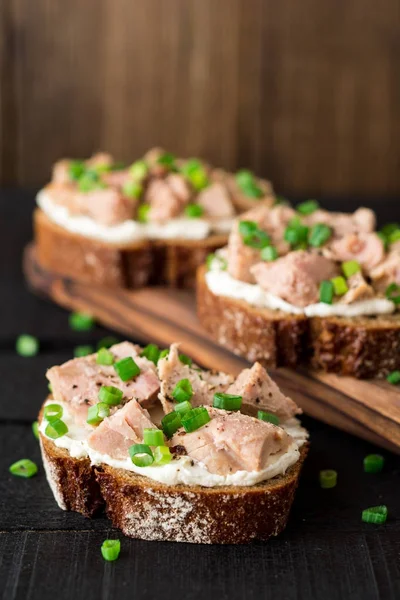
{"x":172,"y":421}
{"x":157,"y":197}
{"x":310,"y":262}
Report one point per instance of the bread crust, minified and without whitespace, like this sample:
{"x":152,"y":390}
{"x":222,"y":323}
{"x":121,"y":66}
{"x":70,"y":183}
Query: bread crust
{"x":362,"y":347}
{"x":134,"y":265}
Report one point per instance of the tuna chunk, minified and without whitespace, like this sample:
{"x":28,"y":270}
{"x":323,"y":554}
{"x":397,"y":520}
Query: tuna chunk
{"x":106,"y":206}
{"x":100,"y":159}
{"x":240,"y":201}
{"x":260,"y":392}
{"x":365,"y":248}
{"x":117,"y":433}
{"x":167,"y":197}
{"x":77,"y":382}
{"x":116,"y":179}
{"x":358,"y":289}
{"x":216,"y":201}
{"x":233,"y":442}
{"x":60,"y":172}
{"x":295,"y":277}
{"x":387,"y":271}
{"x":361,"y":221}
{"x":179,"y":187}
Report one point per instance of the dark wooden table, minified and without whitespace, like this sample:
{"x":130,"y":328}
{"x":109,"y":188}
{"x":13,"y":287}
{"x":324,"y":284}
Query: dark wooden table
{"x":325,"y":553}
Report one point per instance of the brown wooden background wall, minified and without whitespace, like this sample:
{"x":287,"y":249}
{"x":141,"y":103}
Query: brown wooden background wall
{"x":304,"y":91}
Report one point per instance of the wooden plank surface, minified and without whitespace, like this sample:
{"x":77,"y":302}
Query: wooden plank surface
{"x":369,"y":409}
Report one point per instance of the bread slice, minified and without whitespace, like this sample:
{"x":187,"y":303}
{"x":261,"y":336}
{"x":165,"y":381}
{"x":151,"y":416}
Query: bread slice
{"x":162,"y":262}
{"x":362,"y":347}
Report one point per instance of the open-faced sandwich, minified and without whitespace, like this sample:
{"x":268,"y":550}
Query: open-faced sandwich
{"x":171,"y":451}
{"x":305,"y":284}
{"x":152,"y":222}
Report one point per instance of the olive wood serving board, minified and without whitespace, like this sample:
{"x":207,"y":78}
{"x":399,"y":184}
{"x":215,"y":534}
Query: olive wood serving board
{"x":368,"y":409}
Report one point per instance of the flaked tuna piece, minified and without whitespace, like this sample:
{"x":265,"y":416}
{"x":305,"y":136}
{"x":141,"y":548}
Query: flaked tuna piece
{"x":295,"y":277}
{"x":100,"y":159}
{"x":116,"y":179}
{"x":167,"y":197}
{"x":241,"y":257}
{"x":359,"y":289}
{"x":387,"y":271}
{"x":60,"y":173}
{"x":260,"y":392}
{"x":77,"y":382}
{"x":180,"y":187}
{"x":117,"y":433}
{"x":233,"y":442}
{"x":151,"y":158}
{"x":240,"y":201}
{"x":216,"y":201}
{"x":366,"y":248}
{"x":363,"y":220}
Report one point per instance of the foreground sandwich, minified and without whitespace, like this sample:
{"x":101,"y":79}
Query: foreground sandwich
{"x":307,"y":284}
{"x":152,"y":222}
{"x":172,"y":452}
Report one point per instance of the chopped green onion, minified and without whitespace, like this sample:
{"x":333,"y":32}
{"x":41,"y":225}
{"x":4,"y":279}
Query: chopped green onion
{"x":97,"y":413}
{"x":132,"y":189}
{"x":126,"y":368}
{"x":373,"y":463}
{"x":195,"y":172}
{"x":104,"y":357}
{"x":79,"y":321}
{"x":193,"y":211}
{"x":53,"y":412}
{"x":153,"y":437}
{"x":107,"y":342}
{"x":392,"y":293}
{"x":27,"y":345}
{"x":247,"y":184}
{"x":76,"y":169}
{"x":350,"y":267}
{"x":268,"y":417}
{"x":50,"y":387}
{"x":394,"y":377}
{"x":162,"y":455}
{"x":84,"y":350}
{"x":143,"y":213}
{"x":280,"y":200}
{"x":139,"y":170}
{"x":167,"y":160}
{"x":56,"y":429}
{"x":110,"y":549}
{"x":308,"y":207}
{"x":394,"y":236}
{"x":151,"y":352}
{"x":222,"y":263}
{"x":101,"y":168}
{"x":182,"y":391}
{"x":35,"y":429}
{"x":141,"y":455}
{"x":164,"y":353}
{"x":247,"y":228}
{"x":296,"y":233}
{"x":195,"y":418}
{"x":227,"y":401}
{"x":389,"y":228}
{"x":186,"y":360}
{"x":319,"y":234}
{"x":259,"y":239}
{"x":327,"y":479}
{"x":117,"y":166}
{"x":90,"y":181}
{"x":339,"y":286}
{"x":110,"y":395}
{"x":24,"y":468}
{"x":183,"y":407}
{"x":375,"y":514}
{"x":171,"y":423}
{"x":326,"y":292}
{"x":383,"y":238}
{"x":269,"y":253}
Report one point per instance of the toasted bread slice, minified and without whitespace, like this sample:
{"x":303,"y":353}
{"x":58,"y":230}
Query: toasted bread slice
{"x":362,"y":347}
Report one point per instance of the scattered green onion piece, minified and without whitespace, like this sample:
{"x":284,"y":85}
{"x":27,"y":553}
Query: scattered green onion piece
{"x":151,"y":352}
{"x":104,"y":357}
{"x":171,"y":423}
{"x":163,"y":353}
{"x":23,"y":468}
{"x":56,"y":429}
{"x":384,"y":239}
{"x":27,"y":345}
{"x":308,"y":207}
{"x":97,"y":413}
{"x":350,"y":267}
{"x":269,"y":253}
{"x":392,"y":293}
{"x":117,"y":166}
{"x":186,"y":360}
{"x":339,"y":286}
{"x":327,"y":479}
{"x":375,"y":514}
{"x":50,"y":387}
{"x":258,"y":239}
{"x":110,"y":549}
{"x":143,"y":213}
{"x":389,"y":228}
{"x":394,"y":236}
{"x":153,"y":437}
{"x":90,"y":181}
{"x":183,"y":407}
{"x":110,"y":395}
{"x":195,"y":418}
{"x":373,"y":463}
{"x":141,"y":455}
{"x":167,"y":160}
{"x":247,"y":228}
{"x":280,"y":200}
{"x":394,"y":377}
{"x":194,"y":211}
{"x":79,"y":321}
{"x":126,"y":368}
{"x":107,"y":342}
{"x":268,"y":417}
{"x":162,"y":455}
{"x":195,"y":172}
{"x":222,"y":263}
{"x":296,"y":233}
{"x":35,"y":429}
{"x":326,"y":292}
{"x":139,"y":170}
{"x":182,"y":391}
{"x":132,"y":189}
{"x":248,"y":184}
{"x":227,"y":401}
{"x":76,"y":169}
{"x":53,"y":412}
{"x":84,"y":350}
{"x":319,"y":234}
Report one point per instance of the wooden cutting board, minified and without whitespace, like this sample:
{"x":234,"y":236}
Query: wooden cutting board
{"x":368,"y":409}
